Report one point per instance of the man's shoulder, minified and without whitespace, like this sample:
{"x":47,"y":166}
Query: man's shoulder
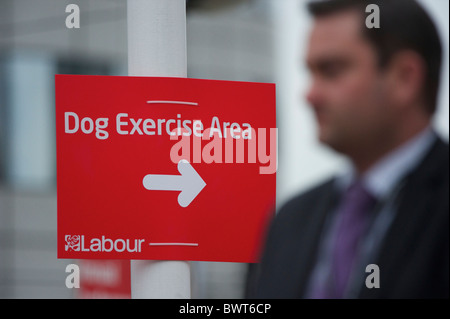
{"x":308,"y":201}
{"x":433,"y":170}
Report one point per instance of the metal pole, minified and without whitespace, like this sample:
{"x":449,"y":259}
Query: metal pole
{"x":157,"y":47}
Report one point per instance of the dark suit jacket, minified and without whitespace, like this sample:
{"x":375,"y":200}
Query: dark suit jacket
{"x":414,"y":255}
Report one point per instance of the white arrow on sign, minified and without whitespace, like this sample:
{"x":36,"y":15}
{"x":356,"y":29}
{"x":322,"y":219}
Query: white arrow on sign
{"x":189,"y":183}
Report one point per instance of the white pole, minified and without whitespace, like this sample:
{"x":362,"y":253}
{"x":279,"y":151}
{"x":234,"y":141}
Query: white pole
{"x":157,"y":47}
{"x":157,"y":38}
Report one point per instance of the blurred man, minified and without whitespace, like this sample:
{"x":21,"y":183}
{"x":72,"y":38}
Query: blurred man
{"x":381,"y":230}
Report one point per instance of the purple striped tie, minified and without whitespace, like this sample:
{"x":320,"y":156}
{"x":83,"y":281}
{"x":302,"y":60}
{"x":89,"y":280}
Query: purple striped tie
{"x":353,"y":215}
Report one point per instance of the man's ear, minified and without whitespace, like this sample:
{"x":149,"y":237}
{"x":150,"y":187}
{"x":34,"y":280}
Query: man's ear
{"x":406,"y":77}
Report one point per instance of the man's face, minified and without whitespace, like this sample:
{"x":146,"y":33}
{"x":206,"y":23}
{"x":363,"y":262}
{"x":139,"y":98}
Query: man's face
{"x":348,"y":93}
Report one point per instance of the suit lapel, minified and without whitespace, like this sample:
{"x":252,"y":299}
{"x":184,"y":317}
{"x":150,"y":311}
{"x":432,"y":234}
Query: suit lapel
{"x":321,"y":210}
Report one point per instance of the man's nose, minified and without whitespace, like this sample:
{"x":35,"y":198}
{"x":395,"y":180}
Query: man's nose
{"x":313,"y":93}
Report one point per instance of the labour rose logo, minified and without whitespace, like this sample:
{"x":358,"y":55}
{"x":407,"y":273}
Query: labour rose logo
{"x":73,"y":242}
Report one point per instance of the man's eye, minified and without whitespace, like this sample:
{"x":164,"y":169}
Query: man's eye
{"x":332,"y":71}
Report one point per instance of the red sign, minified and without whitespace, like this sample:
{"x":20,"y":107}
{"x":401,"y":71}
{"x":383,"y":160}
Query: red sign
{"x":164,"y":168}
{"x":104,"y":279}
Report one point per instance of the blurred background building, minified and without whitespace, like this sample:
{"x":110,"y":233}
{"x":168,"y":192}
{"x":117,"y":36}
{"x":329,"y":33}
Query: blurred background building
{"x":243,"y":40}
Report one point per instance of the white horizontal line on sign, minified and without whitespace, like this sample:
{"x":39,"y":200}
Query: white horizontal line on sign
{"x":173,"y":102}
{"x":174,"y":244}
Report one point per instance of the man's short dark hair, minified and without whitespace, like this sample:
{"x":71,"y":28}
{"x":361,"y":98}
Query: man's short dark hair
{"x":404,"y":25}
